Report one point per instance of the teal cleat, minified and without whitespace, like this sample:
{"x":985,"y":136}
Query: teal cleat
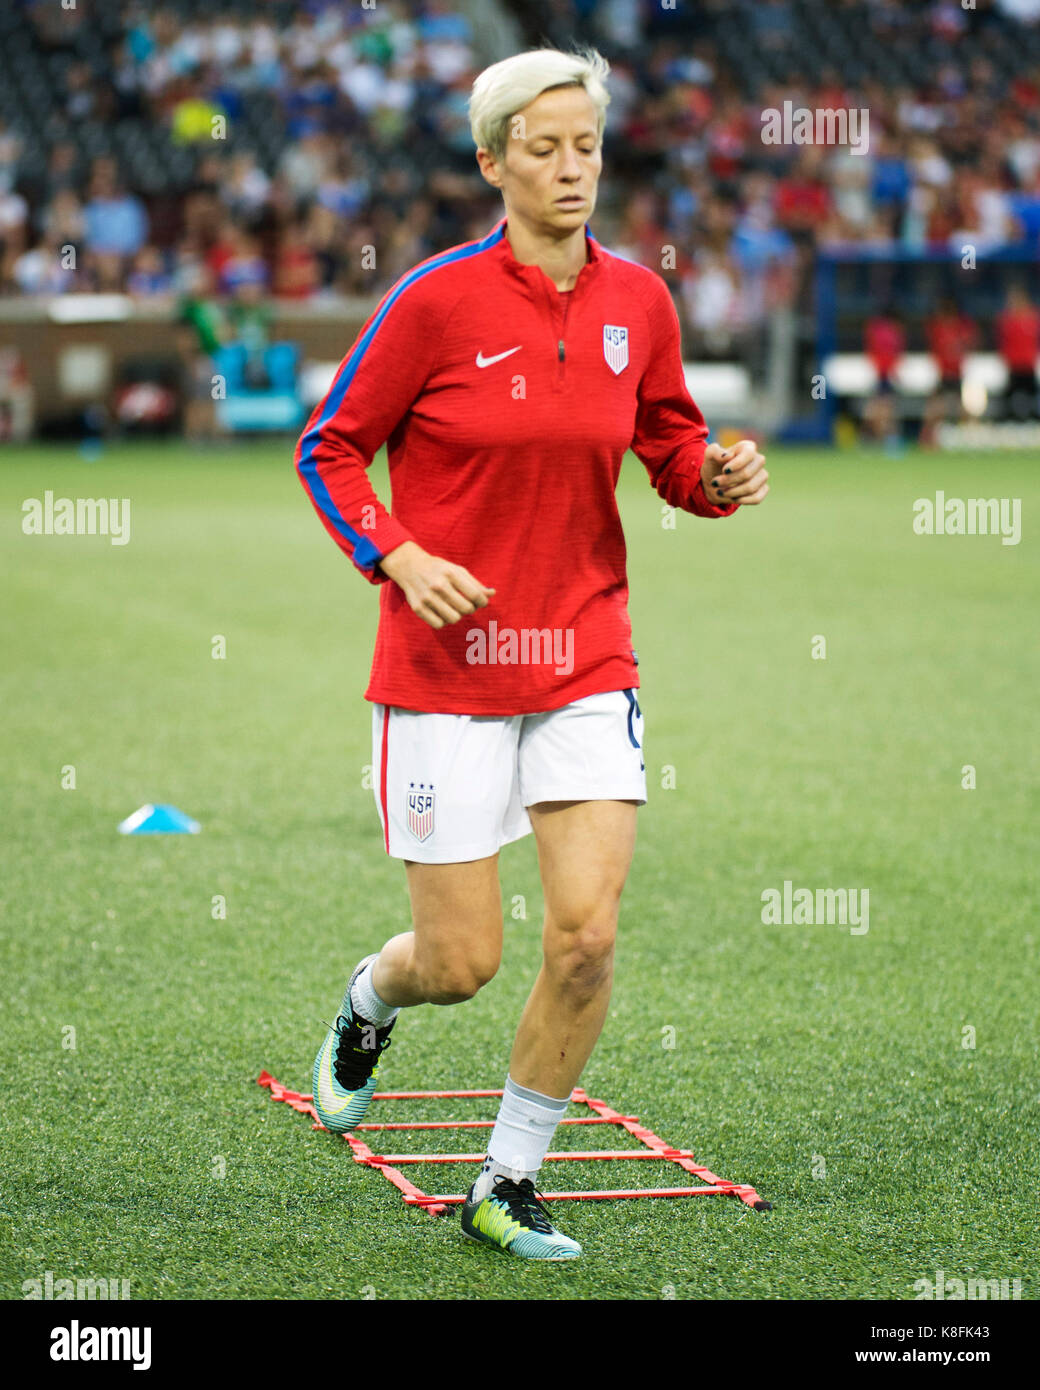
{"x":347,"y":1065}
{"x":513,"y":1218}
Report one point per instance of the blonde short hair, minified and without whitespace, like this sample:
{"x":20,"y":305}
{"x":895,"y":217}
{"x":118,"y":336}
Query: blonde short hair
{"x":505,"y":88}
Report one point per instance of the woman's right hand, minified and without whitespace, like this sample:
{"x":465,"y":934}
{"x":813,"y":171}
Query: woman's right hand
{"x":434,"y":588}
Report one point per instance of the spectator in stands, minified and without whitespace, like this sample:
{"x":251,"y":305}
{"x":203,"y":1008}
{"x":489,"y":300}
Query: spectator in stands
{"x":149,"y":278}
{"x":14,"y":221}
{"x":243,"y":262}
{"x":246,"y":187}
{"x":641,"y":237}
{"x":85,"y":99}
{"x":64,"y":173}
{"x":985,"y":217}
{"x":714,"y":306}
{"x":296,"y":272}
{"x":115,"y":224}
{"x":14,"y":206}
{"x":1018,"y":339}
{"x":194,"y":116}
{"x":803,"y":199}
{"x":323,"y":236}
{"x":305,"y":162}
{"x":892,"y":182}
{"x":44,"y":270}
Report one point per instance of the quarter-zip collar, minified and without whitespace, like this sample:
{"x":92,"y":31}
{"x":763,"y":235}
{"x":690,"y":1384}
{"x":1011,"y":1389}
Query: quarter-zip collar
{"x":534,"y":274}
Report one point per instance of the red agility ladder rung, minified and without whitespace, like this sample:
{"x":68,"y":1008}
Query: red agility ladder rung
{"x":653,"y":1147}
{"x":421,"y":1200}
{"x":480,"y":1124}
{"x":549,"y":1158}
{"x":430,"y":1095}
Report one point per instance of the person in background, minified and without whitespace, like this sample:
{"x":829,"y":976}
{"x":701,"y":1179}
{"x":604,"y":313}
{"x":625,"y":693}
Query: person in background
{"x":951,"y":336}
{"x":115,"y":222}
{"x":149,"y":278}
{"x":249,"y":318}
{"x":202,"y":331}
{"x":1018,"y":341}
{"x":297,"y":273}
{"x":884,"y":342}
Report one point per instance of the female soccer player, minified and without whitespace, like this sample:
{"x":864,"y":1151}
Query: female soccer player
{"x":508,"y":377}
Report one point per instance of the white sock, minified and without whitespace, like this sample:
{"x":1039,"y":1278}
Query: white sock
{"x":366,"y":1002}
{"x":521,"y":1137}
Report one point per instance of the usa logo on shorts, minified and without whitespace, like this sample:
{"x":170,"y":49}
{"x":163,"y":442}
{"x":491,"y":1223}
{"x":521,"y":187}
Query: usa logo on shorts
{"x":615,"y":347}
{"x":420,"y":810}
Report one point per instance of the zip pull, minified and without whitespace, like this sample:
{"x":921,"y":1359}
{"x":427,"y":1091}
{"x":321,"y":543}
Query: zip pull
{"x":559,"y":350}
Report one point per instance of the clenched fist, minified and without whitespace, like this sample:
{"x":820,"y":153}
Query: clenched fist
{"x":436,"y":590}
{"x":734,"y":475}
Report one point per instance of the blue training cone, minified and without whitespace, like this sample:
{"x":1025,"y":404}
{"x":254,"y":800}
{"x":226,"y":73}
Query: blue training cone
{"x":158,"y":820}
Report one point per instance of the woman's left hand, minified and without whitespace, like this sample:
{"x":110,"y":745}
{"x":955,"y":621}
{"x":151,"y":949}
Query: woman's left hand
{"x":734,"y":475}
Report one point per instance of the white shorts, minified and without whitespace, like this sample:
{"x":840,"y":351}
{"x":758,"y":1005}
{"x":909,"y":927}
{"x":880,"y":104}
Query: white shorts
{"x":454,"y":787}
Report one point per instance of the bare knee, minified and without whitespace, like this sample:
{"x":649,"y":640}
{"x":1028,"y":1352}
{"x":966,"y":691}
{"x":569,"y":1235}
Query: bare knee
{"x":580,"y":956}
{"x":453,"y":979}
{"x":457,"y":920}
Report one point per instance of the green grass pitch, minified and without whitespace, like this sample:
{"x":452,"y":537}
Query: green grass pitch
{"x":830,"y":1069}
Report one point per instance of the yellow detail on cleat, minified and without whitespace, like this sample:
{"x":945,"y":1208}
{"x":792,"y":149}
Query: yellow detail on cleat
{"x":494,"y":1221}
{"x":327,"y":1098}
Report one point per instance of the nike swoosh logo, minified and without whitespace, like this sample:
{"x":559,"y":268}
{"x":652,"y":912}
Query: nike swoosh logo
{"x":327,"y":1098}
{"x":483,"y":361}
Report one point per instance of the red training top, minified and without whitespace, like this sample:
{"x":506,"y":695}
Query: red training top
{"x":884,"y":343}
{"x":950,"y":338}
{"x":1019,"y":333}
{"x":507,"y":408}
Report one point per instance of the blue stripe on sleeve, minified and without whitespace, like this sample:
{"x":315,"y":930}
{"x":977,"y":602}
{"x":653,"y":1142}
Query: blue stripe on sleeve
{"x":366,"y":555}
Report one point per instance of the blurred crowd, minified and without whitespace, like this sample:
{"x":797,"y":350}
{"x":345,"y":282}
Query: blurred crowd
{"x":327,"y":152}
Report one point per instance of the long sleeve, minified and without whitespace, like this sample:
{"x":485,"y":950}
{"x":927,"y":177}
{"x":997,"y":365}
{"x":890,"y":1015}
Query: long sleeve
{"x":375,"y":386}
{"x":670,"y":432}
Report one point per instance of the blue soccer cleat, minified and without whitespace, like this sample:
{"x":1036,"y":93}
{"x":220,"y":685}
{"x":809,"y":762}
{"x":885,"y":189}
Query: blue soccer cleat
{"x":512,"y":1217}
{"x":347,"y":1065}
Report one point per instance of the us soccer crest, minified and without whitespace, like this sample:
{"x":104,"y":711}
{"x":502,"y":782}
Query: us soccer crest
{"x":420,"y":811}
{"x":615,"y":347}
